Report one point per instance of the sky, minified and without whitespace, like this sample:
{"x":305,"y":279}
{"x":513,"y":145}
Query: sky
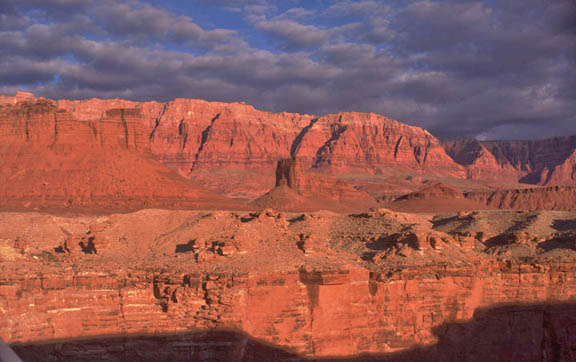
{"x":490,"y":69}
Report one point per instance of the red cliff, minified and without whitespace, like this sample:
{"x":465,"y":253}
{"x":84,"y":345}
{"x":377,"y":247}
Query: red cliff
{"x":233,"y":148}
{"x":174,"y":285}
{"x":50,"y":159}
{"x":539,"y":162}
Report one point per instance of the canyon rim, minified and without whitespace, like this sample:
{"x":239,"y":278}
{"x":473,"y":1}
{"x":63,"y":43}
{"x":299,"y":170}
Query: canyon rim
{"x":261,"y":180}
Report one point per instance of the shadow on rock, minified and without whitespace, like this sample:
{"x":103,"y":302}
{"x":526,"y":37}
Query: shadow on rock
{"x":537,"y":332}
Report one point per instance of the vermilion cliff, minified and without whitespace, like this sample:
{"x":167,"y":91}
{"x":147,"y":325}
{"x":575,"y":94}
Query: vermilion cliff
{"x":233,"y":148}
{"x":50,"y":159}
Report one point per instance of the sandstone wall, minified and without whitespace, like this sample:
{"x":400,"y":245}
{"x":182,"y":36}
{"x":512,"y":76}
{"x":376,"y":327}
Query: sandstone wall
{"x":306,"y":313}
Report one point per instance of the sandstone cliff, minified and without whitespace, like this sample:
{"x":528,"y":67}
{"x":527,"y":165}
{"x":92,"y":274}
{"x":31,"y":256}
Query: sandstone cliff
{"x":177,"y":285}
{"x":319,"y":315}
{"x":539,"y":162}
{"x":49,"y":159}
{"x":233,"y":148}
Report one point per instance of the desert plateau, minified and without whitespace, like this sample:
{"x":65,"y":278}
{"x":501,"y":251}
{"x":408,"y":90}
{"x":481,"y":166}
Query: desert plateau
{"x":287,"y":181}
{"x":115,"y":243}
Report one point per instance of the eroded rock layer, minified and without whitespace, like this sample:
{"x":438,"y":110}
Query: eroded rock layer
{"x":540,"y":162}
{"x":561,"y":198}
{"x":267,"y":286}
{"x":49,"y":159}
{"x":319,"y":314}
{"x":233,"y":148}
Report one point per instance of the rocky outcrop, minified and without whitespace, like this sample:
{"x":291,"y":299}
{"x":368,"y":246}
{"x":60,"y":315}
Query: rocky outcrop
{"x":298,"y":190}
{"x":437,"y":197}
{"x":561,"y":198}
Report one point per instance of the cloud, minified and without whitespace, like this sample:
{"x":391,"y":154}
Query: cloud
{"x":146,"y":22}
{"x":294,"y":35}
{"x":500,"y":68}
{"x":357,"y":8}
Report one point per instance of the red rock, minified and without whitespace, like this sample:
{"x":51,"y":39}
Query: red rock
{"x":540,"y":162}
{"x":298,"y":190}
{"x":435,"y":198}
{"x":210,"y":141}
{"x":315,"y":314}
{"x":561,"y":198}
{"x":347,"y":142}
{"x":51,"y":160}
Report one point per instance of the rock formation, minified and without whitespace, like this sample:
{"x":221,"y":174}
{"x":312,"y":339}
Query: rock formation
{"x":177,"y":285}
{"x":298,"y":190}
{"x":233,"y":148}
{"x":50,"y":160}
{"x":539,"y":162}
{"x":561,"y":198}
{"x":438,"y":197}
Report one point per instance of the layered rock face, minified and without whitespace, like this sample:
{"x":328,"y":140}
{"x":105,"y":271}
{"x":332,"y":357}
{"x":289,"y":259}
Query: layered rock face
{"x":50,"y":159}
{"x":229,"y":147}
{"x":348,"y":142}
{"x":562,"y":198}
{"x":233,"y":148}
{"x":309,"y":314}
{"x":541,"y":162}
{"x":268,"y":286}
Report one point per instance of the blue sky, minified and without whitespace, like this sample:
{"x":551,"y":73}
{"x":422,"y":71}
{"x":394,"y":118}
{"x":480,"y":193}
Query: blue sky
{"x":488,"y":69}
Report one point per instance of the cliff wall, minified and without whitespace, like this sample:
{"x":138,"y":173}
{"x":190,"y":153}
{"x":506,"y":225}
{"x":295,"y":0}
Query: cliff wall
{"x":308,"y":313}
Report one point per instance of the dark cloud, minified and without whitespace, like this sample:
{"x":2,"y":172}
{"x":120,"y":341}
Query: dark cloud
{"x":147,"y":22}
{"x":487,"y":69}
{"x":64,"y":5}
{"x":293,"y":35}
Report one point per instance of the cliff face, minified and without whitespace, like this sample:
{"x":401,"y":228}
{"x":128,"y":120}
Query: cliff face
{"x":311,"y":314}
{"x":233,"y":148}
{"x":169,"y":285}
{"x":540,"y":162}
{"x":359,"y":142}
{"x":50,"y":159}
{"x":229,"y":147}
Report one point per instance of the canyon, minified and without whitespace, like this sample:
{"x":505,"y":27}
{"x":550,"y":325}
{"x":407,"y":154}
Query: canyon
{"x":233,"y":148}
{"x":161,"y":284}
{"x":209,"y":231}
